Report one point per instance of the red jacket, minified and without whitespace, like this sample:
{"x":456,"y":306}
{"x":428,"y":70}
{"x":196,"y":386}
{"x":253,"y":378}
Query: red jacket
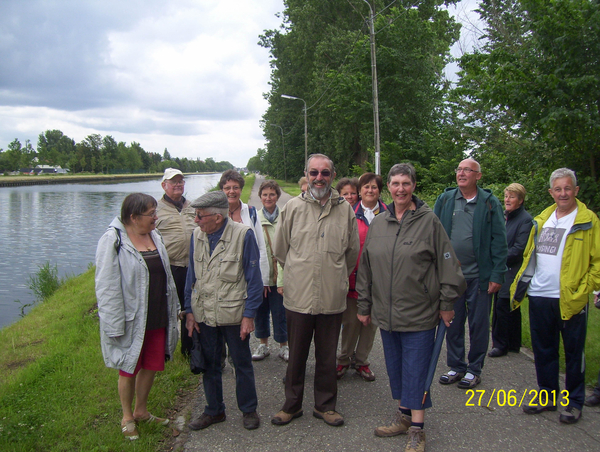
{"x":363,"y":228}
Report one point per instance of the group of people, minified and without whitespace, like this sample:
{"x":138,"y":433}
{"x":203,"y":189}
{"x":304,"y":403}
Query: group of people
{"x":336,"y":260}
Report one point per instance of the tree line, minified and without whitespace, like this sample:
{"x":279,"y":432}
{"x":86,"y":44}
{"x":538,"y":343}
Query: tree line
{"x":97,"y":154}
{"x":526,"y":102}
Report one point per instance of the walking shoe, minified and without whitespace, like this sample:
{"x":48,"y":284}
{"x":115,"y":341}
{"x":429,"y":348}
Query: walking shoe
{"x":251,"y":420}
{"x":399,"y":425}
{"x":570,"y":416}
{"x":593,"y":400}
{"x":261,"y":352}
{"x":496,"y":353}
{"x":416,"y":440}
{"x":365,"y":373}
{"x":332,"y":418}
{"x":284,"y":353}
{"x":130,"y":431}
{"x":451,"y":377}
{"x":341,"y":370}
{"x":283,"y":418}
{"x":537,"y":409}
{"x":206,"y":420}
{"x":469,"y":381}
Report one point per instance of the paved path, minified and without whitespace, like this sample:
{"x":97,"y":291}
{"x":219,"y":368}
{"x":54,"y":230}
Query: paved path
{"x":255,"y":199}
{"x":449,"y":424}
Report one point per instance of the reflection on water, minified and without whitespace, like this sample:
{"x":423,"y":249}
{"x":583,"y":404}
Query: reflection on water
{"x":62,"y":224}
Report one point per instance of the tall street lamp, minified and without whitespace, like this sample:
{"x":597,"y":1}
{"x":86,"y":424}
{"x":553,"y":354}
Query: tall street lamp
{"x":375,"y":93}
{"x":285,"y":96}
{"x":283,"y":149}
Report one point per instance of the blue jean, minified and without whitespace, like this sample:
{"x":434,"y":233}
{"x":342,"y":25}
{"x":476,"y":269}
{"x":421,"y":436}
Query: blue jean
{"x":211,"y":339}
{"x":407,"y":356}
{"x":476,"y":305}
{"x":272,"y":303}
{"x":546,"y":328}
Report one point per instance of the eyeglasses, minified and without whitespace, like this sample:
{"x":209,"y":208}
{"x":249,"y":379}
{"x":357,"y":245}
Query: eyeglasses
{"x":204,"y":216}
{"x":315,"y":173}
{"x":151,"y":214}
{"x":172,"y":182}
{"x":465,"y":170}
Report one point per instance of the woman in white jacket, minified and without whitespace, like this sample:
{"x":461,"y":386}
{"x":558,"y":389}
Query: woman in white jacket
{"x":137,"y":306}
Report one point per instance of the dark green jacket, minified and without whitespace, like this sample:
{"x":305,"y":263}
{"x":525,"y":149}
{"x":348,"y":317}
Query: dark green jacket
{"x":489,"y":233}
{"x":408,"y":271}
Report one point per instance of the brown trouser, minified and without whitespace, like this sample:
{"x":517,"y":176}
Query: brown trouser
{"x":326,"y":329}
{"x":356,"y":338}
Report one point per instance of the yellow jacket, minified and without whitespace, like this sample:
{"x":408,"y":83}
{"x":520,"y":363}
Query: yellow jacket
{"x":580,"y":267}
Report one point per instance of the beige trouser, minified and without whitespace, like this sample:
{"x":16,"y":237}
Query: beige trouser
{"x":356,"y":338}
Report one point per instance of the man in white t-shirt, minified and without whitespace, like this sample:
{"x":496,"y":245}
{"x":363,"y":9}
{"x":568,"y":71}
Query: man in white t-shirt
{"x":561,"y":267}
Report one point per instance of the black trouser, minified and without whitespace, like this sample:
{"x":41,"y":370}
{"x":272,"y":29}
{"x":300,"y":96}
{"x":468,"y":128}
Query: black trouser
{"x":506,"y":326}
{"x":179,"y":274}
{"x":326,"y":331}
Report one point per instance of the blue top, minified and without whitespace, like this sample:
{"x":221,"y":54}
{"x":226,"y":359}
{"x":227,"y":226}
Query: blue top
{"x":252,"y":272}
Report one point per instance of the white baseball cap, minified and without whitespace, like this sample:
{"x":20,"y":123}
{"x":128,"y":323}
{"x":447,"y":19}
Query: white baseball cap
{"x":170,"y":173}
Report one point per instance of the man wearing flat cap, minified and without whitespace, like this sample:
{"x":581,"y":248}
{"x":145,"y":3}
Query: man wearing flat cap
{"x":222,"y":293}
{"x":176,"y":225}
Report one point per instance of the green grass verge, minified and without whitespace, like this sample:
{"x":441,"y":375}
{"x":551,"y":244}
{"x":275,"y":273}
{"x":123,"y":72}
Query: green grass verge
{"x":247,"y":190}
{"x":55,"y":392}
{"x":291,"y":188}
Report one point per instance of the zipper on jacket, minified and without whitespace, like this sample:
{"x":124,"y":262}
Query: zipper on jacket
{"x":392,"y":270}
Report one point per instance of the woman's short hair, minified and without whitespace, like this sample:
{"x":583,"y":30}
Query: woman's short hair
{"x":405,"y":169}
{"x":231,"y":175}
{"x":303,"y":180}
{"x":270,"y":184}
{"x":347,"y":181}
{"x":518,"y":190}
{"x":563,"y":172}
{"x":368,"y":177}
{"x":135,"y":204}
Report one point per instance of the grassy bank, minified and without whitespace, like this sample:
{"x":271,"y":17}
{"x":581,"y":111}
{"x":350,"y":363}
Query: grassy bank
{"x":55,"y":392}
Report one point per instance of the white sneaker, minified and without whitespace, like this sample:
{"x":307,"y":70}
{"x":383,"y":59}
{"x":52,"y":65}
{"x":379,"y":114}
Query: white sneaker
{"x":284,"y":353}
{"x":261,"y":352}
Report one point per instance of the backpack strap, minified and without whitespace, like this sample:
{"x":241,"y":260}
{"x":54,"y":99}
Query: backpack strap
{"x":118,"y":241}
{"x":253,"y":217}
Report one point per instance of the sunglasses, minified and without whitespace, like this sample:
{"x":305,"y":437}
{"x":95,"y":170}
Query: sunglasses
{"x":315,"y":173}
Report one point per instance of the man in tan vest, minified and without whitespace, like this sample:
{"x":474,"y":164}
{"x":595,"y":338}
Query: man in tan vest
{"x":222,"y":293}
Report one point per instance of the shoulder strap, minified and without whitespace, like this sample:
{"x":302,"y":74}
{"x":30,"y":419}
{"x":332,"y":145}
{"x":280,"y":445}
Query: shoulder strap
{"x":118,"y":241}
{"x":252,"y":211}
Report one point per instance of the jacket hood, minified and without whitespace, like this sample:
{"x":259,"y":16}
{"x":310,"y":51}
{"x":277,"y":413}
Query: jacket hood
{"x":422,"y":209}
{"x":484,"y":193}
{"x":116,"y":223}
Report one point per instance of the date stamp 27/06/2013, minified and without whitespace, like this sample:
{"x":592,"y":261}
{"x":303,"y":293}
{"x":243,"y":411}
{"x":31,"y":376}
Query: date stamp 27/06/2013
{"x":512,"y":397}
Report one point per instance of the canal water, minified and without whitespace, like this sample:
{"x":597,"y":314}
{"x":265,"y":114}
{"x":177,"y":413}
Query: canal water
{"x":61,"y":224}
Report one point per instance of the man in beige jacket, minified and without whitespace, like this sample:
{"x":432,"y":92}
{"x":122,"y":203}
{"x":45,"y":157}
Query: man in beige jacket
{"x":176,"y":225}
{"x":317,"y":244}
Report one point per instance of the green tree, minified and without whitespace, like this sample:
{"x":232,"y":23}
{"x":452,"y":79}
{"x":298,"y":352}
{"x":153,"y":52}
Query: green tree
{"x":532,"y":92}
{"x":55,"y":148}
{"x":108,"y":154}
{"x":322,"y":54}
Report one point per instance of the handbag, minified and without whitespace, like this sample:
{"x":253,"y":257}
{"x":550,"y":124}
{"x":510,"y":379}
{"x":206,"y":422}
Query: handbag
{"x":197,"y":362}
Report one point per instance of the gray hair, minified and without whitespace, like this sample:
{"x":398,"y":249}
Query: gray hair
{"x":405,"y":169}
{"x":563,"y":172}
{"x":322,"y":156}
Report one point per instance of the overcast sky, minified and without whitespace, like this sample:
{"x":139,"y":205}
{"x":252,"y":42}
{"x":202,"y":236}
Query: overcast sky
{"x":186,"y":75}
